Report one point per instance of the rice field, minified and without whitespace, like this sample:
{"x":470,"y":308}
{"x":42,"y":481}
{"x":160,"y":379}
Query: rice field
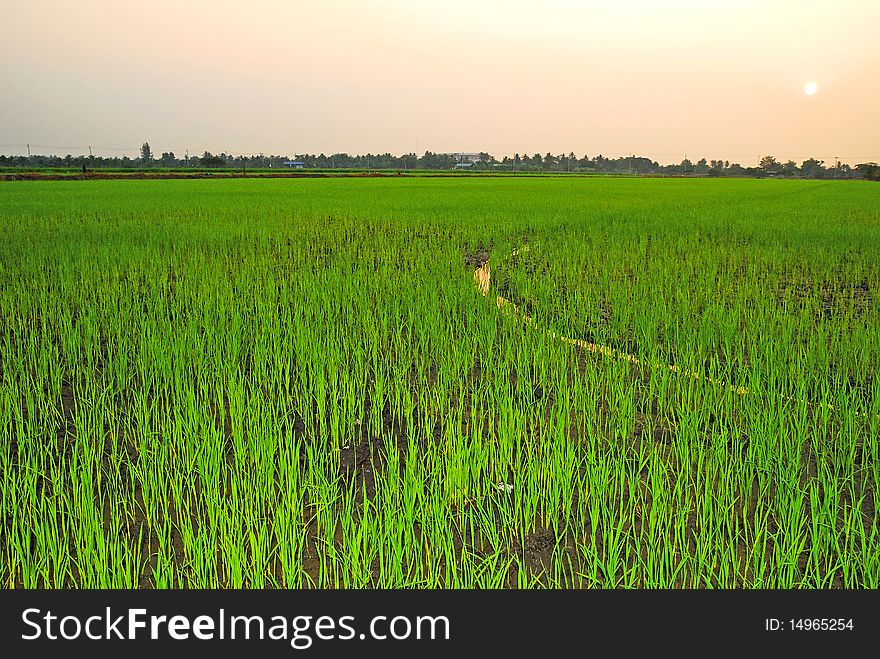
{"x":301,"y":383}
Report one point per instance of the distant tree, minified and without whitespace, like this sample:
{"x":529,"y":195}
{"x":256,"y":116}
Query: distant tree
{"x":639,"y":165}
{"x":210,"y":160}
{"x":768,"y":164}
{"x":409,"y":160}
{"x":812,"y":168}
{"x":146,"y":153}
{"x":790,"y":168}
{"x":869,"y":170}
{"x":345,"y":160}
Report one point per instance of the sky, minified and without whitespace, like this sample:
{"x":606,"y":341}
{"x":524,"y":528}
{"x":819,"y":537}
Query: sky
{"x":721,"y":79}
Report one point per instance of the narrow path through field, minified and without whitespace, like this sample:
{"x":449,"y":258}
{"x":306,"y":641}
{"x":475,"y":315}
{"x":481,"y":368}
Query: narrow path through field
{"x":483,"y":281}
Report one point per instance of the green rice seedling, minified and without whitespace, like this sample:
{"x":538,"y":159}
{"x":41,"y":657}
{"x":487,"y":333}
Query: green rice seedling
{"x":266,"y":383}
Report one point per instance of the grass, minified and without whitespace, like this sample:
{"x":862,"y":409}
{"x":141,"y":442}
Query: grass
{"x":295,"y":383}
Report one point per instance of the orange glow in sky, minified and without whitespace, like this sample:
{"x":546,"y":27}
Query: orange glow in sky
{"x":709,"y":78}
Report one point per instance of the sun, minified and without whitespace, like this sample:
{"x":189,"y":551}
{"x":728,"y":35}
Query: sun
{"x":811,"y":88}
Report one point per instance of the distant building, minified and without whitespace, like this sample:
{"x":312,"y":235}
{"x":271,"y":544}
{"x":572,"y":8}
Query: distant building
{"x":463,"y":165}
{"x":296,"y":164}
{"x":465,"y":157}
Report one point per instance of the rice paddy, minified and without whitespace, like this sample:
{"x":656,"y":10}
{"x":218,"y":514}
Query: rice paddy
{"x":297,"y":383}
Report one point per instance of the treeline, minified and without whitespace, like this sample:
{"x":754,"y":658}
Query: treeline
{"x":767,"y":167}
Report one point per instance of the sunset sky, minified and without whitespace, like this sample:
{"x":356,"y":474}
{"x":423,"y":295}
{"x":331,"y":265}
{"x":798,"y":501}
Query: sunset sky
{"x":719,"y":79}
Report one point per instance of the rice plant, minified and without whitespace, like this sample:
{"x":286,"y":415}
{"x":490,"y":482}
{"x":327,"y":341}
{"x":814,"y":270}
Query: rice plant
{"x":273,"y":383}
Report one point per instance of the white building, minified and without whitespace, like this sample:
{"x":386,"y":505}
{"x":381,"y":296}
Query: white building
{"x":465,"y":157}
